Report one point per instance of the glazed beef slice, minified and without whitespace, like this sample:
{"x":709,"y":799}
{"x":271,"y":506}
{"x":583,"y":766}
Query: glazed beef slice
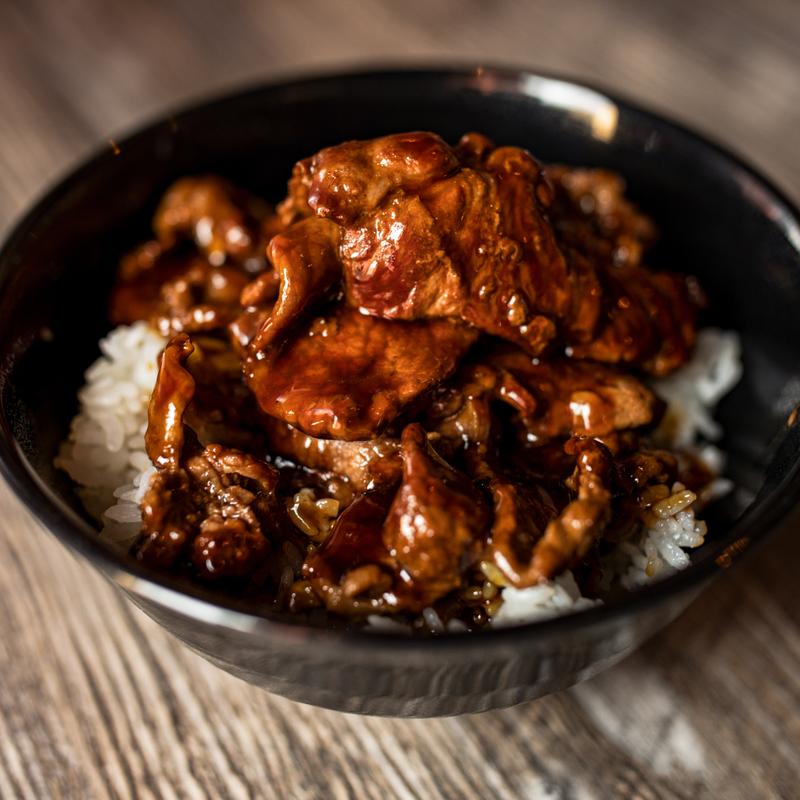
{"x":348,"y":375}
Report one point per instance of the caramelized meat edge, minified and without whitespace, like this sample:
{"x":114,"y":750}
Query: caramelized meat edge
{"x":211,"y":506}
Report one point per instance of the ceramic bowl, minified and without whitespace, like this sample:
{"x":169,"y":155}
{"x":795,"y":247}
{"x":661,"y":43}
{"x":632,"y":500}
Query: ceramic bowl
{"x":718,"y":217}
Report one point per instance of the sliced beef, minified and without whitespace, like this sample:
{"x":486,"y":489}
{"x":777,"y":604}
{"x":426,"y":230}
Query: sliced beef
{"x":522,"y":512}
{"x":436,"y":522}
{"x":648,"y":318}
{"x":402,"y":552}
{"x":395,"y":266}
{"x":237,"y":497}
{"x":223,"y":408}
{"x":529,"y":549}
{"x":576,"y":398}
{"x":427,"y":235}
{"x":352,"y":571}
{"x":347,"y":375}
{"x":223,"y":221}
{"x":367,"y":464}
{"x":169,"y":519}
{"x":428,"y":231}
{"x":211,"y":505}
{"x":176,"y":291}
{"x":500,"y":274}
{"x":649,"y":321}
{"x":344,"y":181}
{"x":172,"y":394}
{"x":591,"y":214}
{"x":540,"y":280}
{"x":211,"y":241}
{"x":216,"y":511}
{"x":461,"y":410}
{"x":645,"y":468}
{"x":305,"y":258}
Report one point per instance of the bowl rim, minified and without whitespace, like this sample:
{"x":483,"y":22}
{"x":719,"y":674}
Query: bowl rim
{"x":193,"y":600}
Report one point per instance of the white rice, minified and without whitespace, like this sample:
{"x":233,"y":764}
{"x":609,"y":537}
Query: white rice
{"x":379,"y":622}
{"x":105,"y":456}
{"x":548,"y":599}
{"x":105,"y":452}
{"x":659,"y":551}
{"x":693,"y":391}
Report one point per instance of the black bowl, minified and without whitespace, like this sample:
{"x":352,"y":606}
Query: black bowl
{"x":719,"y":219}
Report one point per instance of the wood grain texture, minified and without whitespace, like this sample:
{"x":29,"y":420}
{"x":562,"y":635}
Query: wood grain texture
{"x":97,"y":701}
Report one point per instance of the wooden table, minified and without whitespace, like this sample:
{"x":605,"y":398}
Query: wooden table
{"x":97,"y":701}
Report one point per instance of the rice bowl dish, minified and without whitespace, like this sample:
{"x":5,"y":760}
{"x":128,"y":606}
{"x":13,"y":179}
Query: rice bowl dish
{"x":107,"y":455}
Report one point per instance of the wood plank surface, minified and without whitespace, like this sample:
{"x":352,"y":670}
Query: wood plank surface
{"x":97,"y":701}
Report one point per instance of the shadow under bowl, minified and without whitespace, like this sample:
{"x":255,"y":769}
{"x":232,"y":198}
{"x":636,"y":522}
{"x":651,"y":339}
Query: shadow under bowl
{"x":719,"y":220}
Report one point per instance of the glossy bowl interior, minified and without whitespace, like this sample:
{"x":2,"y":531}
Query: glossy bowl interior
{"x":718,"y":219}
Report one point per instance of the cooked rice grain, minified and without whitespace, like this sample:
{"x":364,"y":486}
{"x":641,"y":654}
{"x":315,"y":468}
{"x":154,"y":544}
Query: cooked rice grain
{"x":105,"y":451}
{"x":546,"y":599}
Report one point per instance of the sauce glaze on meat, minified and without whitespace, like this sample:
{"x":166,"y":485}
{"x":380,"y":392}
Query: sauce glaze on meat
{"x":417,"y":379}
